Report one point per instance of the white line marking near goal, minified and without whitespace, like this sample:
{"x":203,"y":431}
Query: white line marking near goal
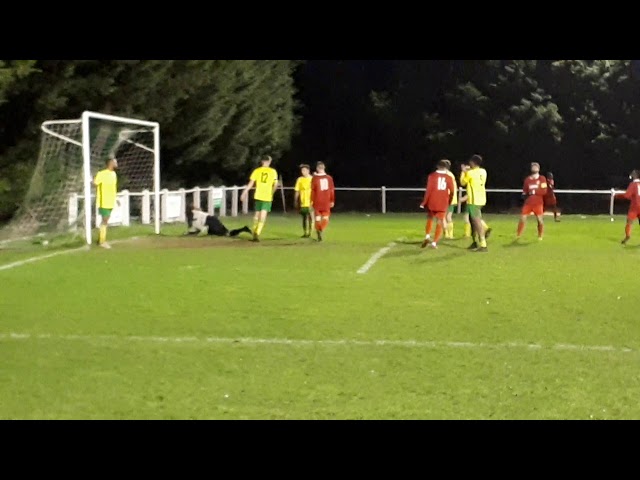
{"x":41,"y":257}
{"x":375,"y":257}
{"x":426,"y":344}
{"x":19,"y":263}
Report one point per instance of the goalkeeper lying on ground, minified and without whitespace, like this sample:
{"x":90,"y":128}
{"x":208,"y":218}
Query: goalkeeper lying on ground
{"x":197,"y":220}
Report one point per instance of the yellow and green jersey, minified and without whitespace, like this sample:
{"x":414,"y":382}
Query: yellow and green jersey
{"x":265,"y":178}
{"x":454,"y":200}
{"x":303,"y":186}
{"x":106,"y":182}
{"x":475,"y":180}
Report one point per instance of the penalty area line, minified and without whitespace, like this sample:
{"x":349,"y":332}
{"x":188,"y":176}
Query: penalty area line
{"x":375,"y":257}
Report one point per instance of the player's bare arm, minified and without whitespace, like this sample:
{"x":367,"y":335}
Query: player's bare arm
{"x":245,"y":192}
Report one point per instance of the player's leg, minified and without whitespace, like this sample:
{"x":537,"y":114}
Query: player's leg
{"x":215,"y":227}
{"x":487,"y":229}
{"x":105,"y":213}
{"x":304,"y":213}
{"x":467,"y":222}
{"x":540,"y":218}
{"x":526,"y":210}
{"x":449,"y":223}
{"x":324,"y":222}
{"x":440,"y":226}
{"x":477,"y":232}
{"x":482,"y":232}
{"x":237,"y":231}
{"x":256,"y":218}
{"x":627,"y":228}
{"x":262,"y":219}
{"x":427,"y":230}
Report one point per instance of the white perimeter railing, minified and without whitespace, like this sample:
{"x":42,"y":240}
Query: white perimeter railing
{"x":173,"y":202}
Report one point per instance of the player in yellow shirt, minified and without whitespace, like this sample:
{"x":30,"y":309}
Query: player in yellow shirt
{"x":265,"y":179}
{"x":448,"y":230}
{"x":106,"y":183}
{"x":303,"y":196}
{"x":474,"y":178}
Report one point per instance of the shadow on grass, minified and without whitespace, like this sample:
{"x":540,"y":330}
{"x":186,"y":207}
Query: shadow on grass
{"x":516,"y":244}
{"x":439,"y":258}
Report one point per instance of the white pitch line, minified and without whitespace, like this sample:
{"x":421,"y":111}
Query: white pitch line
{"x":426,"y":344}
{"x":375,"y":257}
{"x":41,"y":257}
{"x":19,"y":263}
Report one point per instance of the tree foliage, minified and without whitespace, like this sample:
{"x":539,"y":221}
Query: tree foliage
{"x":216,"y":116}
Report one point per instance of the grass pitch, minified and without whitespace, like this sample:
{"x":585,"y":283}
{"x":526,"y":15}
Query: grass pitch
{"x":169,"y":327}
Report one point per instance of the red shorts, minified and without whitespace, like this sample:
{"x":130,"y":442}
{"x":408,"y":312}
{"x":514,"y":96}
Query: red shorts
{"x":537,"y":210}
{"x":550,"y":201}
{"x":439,"y":215}
{"x":322,"y":212}
{"x":633,"y":215}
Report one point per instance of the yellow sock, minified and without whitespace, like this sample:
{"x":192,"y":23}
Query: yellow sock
{"x":467,"y":229}
{"x":103,"y":234}
{"x":484,"y":225}
{"x":450,"y":228}
{"x":259,"y":228}
{"x":483,"y":242}
{"x":255,"y":226}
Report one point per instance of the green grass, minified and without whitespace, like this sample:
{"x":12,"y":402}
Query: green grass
{"x":113,"y":318}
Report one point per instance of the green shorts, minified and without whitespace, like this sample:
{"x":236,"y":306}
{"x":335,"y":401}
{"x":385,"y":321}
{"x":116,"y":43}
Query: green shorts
{"x":262,"y":205}
{"x":305,"y":211}
{"x":475,"y":211}
{"x":105,"y":212}
{"x":452,"y":208}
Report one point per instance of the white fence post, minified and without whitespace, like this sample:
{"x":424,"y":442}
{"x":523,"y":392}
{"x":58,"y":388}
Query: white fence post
{"x":210,"y":208}
{"x":613,"y":198}
{"x":73,"y":209}
{"x":146,"y":208}
{"x":384,"y":199}
{"x":164,"y":194}
{"x":245,"y":206}
{"x":183,"y":204}
{"x":124,"y":207}
{"x":196,"y":197}
{"x":223,"y":202}
{"x":234,"y":201}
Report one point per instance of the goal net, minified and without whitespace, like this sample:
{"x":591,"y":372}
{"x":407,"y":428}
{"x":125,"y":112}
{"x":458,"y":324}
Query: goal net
{"x":60,"y":199}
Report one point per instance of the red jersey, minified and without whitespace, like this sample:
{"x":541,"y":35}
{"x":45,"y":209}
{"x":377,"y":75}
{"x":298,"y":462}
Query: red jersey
{"x":633,"y":195}
{"x":439,"y":191}
{"x":322,"y":192}
{"x":535,"y":189}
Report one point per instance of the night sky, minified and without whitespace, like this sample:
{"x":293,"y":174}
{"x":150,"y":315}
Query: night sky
{"x":362,"y":147}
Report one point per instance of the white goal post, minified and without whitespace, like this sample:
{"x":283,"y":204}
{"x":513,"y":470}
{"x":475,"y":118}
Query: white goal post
{"x":86,"y":155}
{"x":59,"y":199}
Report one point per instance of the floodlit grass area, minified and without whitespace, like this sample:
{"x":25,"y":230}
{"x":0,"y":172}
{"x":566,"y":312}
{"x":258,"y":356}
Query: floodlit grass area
{"x":173,"y":327}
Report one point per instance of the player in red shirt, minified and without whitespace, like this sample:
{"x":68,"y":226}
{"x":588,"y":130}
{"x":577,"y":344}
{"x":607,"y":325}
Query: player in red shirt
{"x":534,"y":191}
{"x":323,"y":198}
{"x":550,"y":198}
{"x":437,"y":198}
{"x":633,"y":195}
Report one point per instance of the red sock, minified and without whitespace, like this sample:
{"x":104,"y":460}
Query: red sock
{"x":318,"y":226}
{"x":520,"y":227}
{"x":427,"y":230}
{"x":627,"y":230}
{"x":540,"y":229}
{"x":438,"y":232}
{"x":324,"y":222}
